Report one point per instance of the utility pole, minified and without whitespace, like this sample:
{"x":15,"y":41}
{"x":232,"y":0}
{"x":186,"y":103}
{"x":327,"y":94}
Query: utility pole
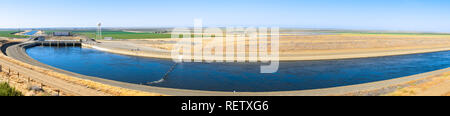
{"x":99,"y":31}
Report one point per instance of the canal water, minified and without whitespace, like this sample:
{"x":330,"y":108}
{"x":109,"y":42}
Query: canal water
{"x":240,"y":77}
{"x":31,"y":33}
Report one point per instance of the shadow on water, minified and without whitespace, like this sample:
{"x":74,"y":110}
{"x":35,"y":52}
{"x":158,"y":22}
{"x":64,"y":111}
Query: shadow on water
{"x":6,"y":44}
{"x":241,"y":77}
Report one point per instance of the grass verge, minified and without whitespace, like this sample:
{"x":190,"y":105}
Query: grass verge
{"x":8,"y":34}
{"x":120,"y":34}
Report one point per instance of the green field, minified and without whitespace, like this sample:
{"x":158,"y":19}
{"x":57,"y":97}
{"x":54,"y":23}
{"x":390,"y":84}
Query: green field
{"x":6,"y":90}
{"x":120,"y":34}
{"x":8,"y":34}
{"x":389,"y":33}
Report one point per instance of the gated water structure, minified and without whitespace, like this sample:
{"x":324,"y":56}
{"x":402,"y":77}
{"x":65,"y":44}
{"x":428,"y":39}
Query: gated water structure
{"x":59,"y":43}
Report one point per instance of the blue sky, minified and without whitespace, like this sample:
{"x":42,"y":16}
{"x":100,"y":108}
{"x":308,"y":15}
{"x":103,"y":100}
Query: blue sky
{"x":401,"y":15}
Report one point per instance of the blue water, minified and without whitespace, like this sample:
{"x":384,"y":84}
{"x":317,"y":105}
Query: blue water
{"x":241,"y":77}
{"x":30,"y":33}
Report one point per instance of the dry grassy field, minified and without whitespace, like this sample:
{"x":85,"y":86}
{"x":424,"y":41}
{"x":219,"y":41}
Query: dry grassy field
{"x":438,"y":85}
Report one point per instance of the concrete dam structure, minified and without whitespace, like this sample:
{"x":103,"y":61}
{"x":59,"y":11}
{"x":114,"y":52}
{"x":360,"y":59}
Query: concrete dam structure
{"x":42,"y":41}
{"x":58,"y":43}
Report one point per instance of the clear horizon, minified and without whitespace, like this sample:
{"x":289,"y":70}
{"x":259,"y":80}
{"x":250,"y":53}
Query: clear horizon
{"x":392,"y":15}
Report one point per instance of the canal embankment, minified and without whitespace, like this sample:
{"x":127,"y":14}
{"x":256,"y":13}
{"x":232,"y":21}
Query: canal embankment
{"x":30,"y":68}
{"x":161,"y":48}
{"x":374,"y":88}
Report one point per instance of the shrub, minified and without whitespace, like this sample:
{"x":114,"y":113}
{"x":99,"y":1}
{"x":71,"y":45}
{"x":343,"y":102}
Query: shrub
{"x":6,"y":90}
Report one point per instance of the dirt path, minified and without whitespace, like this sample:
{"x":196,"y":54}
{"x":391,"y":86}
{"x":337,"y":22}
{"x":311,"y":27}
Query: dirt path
{"x":54,"y":82}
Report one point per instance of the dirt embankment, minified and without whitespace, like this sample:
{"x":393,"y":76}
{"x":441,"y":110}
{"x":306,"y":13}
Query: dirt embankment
{"x":438,"y":85}
{"x":64,"y":84}
{"x":392,"y":44}
{"x":294,"y":48}
{"x":321,"y":47}
{"x":28,"y":86}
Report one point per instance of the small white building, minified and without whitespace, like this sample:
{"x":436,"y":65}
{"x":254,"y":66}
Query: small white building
{"x":62,"y":34}
{"x":108,"y":38}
